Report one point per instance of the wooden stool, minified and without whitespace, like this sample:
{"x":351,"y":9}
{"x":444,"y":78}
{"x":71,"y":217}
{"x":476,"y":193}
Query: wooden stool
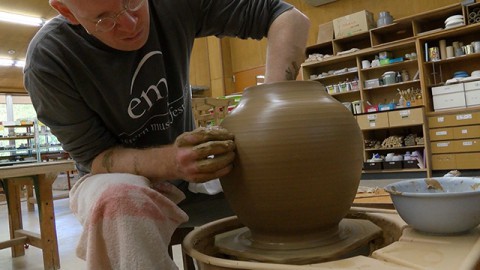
{"x":210,"y":111}
{"x":41,"y":176}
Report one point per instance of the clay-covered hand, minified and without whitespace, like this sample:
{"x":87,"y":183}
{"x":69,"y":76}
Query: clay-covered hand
{"x":204,"y":154}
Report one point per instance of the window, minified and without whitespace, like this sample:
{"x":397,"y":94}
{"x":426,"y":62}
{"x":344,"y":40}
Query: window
{"x":15,"y":107}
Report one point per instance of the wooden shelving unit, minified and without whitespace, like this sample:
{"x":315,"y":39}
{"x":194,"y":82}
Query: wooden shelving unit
{"x":404,"y":36}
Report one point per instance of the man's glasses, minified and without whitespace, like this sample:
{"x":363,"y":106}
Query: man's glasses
{"x":108,"y":23}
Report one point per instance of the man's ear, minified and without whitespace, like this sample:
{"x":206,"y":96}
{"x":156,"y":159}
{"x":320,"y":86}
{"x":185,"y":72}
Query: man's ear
{"x":64,"y":11}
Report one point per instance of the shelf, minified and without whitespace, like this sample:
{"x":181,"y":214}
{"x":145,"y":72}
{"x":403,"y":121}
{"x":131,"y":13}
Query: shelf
{"x":454,"y":111}
{"x":30,"y":149}
{"x":346,"y":93}
{"x":16,"y":149}
{"x":395,"y":171}
{"x":333,"y":76}
{"x":454,"y":59}
{"x":433,"y":19}
{"x":15,"y":126}
{"x":325,"y":47}
{"x":398,"y":64}
{"x":395,"y":148}
{"x":403,"y":36}
{"x":17,"y":137}
{"x":329,"y":60}
{"x":392,"y":85}
{"x":398,"y":31}
{"x":9,"y":163}
{"x":349,"y":39}
{"x":451,"y":32}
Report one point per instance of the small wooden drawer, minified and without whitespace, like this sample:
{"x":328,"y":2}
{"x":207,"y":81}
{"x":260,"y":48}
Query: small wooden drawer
{"x":441,"y":134}
{"x":468,"y":161}
{"x":472,"y":145}
{"x":372,"y":121}
{"x":467,"y":119}
{"x":405,"y":117}
{"x":466,"y":132}
{"x":443,"y":147}
{"x":443,"y":162}
{"x":450,"y":120}
{"x":441,"y":121}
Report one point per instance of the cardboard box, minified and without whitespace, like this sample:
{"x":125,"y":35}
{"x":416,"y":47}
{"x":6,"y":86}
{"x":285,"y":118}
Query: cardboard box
{"x":472,"y":98}
{"x":386,"y":107}
{"x":371,"y":108}
{"x":449,"y":101}
{"x":469,"y":86}
{"x":353,"y":24}
{"x":447,"y":89}
{"x":325,"y":32}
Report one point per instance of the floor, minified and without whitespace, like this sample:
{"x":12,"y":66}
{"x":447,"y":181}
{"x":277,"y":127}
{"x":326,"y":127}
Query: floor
{"x":68,"y":233}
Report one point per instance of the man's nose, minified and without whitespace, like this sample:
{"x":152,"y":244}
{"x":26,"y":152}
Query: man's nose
{"x":127,"y":21}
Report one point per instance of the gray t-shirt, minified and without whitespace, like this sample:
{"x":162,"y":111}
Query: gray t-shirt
{"x":94,"y":97}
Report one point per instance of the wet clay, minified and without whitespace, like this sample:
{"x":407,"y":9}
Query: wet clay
{"x":297,"y":165}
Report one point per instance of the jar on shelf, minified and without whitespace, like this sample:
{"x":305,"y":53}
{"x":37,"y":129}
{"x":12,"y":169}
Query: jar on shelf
{"x":384,"y":18}
{"x":405,"y":76}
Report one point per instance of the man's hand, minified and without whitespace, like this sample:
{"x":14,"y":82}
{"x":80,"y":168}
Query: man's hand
{"x":204,"y":154}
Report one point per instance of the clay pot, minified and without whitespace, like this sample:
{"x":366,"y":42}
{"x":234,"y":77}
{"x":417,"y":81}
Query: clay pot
{"x":298,"y":163}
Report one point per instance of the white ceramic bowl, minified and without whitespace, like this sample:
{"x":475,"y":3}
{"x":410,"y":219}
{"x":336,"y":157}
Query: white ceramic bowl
{"x":454,"y":22}
{"x":476,"y":73}
{"x":444,"y":205}
{"x":454,"y":17}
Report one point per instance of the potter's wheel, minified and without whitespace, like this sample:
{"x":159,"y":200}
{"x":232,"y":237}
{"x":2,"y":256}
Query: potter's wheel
{"x":353,"y":237}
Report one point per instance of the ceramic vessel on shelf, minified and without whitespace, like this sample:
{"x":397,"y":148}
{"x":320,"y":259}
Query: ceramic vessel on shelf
{"x":298,"y":163}
{"x":384,"y":18}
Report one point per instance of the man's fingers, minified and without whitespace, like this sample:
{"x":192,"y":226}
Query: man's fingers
{"x":213,"y":148}
{"x":203,"y":177}
{"x":216,"y":163}
{"x":203,"y":134}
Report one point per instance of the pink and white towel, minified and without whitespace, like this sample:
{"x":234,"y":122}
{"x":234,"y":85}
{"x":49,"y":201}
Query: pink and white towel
{"x":127,"y":223}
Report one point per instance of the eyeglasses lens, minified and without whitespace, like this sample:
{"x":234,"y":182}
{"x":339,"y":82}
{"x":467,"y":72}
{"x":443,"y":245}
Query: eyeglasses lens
{"x":106,"y":24}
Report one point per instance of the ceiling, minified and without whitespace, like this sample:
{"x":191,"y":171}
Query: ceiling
{"x":16,"y":37}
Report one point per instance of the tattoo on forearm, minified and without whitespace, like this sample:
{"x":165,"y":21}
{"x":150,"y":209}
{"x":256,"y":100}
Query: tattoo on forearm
{"x":135,"y":165}
{"x":107,"y":161}
{"x":292,"y":71}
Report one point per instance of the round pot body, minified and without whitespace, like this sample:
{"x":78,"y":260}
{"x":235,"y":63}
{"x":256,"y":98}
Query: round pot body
{"x":298,"y":163}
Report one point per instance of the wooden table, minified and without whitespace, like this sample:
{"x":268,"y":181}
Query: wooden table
{"x":41,"y":176}
{"x":377,"y":199}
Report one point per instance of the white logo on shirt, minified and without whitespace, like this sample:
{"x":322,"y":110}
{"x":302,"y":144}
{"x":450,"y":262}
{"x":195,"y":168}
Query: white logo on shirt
{"x":139,"y":105}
